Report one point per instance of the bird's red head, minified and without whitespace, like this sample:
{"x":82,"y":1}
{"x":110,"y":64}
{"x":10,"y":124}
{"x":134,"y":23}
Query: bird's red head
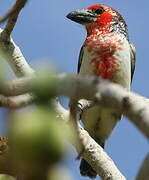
{"x":103,"y":13}
{"x":97,"y":16}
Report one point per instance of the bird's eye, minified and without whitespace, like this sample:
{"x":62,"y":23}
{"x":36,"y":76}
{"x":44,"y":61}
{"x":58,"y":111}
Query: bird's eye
{"x":98,"y":10}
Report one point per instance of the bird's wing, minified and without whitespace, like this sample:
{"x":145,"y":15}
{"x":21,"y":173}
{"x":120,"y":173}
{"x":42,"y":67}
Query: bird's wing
{"x":133,"y":58}
{"x":80,"y":59}
{"x":83,"y":104}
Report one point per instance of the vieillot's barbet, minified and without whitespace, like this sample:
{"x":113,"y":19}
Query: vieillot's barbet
{"x":107,"y":53}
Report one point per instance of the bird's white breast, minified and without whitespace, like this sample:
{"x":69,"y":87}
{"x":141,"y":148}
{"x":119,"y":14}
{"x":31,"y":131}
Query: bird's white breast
{"x":122,"y":58}
{"x":97,"y":120}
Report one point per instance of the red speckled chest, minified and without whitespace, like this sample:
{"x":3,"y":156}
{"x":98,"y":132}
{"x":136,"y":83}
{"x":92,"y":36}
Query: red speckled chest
{"x":103,"y":47}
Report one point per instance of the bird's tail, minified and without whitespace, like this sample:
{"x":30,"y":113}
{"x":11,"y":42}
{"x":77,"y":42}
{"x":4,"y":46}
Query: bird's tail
{"x":87,"y":170}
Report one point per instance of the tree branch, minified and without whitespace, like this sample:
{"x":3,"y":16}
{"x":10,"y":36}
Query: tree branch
{"x":99,"y":91}
{"x":92,"y":152}
{"x":12,"y":54}
{"x":98,"y":159}
{"x":16,"y":102}
{"x":9,"y":27}
{"x":8,"y":49}
{"x":16,"y":8}
{"x":107,"y":94}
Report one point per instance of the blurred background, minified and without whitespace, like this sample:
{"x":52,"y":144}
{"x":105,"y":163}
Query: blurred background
{"x":45,"y":35}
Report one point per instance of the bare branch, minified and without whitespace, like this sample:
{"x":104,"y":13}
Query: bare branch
{"x":14,"y":10}
{"x":98,"y":159}
{"x":9,"y":27}
{"x":107,"y":94}
{"x":12,"y":16}
{"x":13,"y":55}
{"x":16,"y":102}
{"x":61,"y":111}
{"x":93,"y":153}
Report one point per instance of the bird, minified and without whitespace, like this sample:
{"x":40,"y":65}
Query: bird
{"x":106,"y":53}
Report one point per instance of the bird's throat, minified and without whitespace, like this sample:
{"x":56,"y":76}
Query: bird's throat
{"x":98,"y":28}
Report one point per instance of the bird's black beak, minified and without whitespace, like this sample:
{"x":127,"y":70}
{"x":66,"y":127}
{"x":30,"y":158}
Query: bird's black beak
{"x":82,"y":16}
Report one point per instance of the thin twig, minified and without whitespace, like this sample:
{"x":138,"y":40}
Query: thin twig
{"x":10,"y":26}
{"x":14,"y":9}
{"x":12,"y":16}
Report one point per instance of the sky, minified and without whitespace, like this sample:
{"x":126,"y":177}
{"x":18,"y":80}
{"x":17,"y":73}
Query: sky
{"x":45,"y":35}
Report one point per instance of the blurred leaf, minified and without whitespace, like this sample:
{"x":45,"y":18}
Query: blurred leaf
{"x":37,"y":139}
{"x":59,"y":173}
{"x":44,"y":87}
{"x":6,"y":177}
